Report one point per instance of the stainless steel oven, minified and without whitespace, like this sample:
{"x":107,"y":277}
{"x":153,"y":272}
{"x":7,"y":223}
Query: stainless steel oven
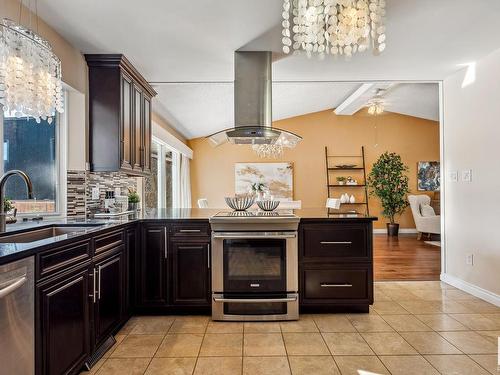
{"x":254,"y":272}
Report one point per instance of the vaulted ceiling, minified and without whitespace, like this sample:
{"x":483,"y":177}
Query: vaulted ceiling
{"x":186,"y":48}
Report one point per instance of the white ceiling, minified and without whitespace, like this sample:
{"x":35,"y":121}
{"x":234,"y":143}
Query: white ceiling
{"x":198,"y":110}
{"x":179,"y":41}
{"x":415,"y":99}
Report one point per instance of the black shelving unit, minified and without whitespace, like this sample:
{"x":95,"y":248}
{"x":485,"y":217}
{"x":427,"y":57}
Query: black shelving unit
{"x":330,"y":160}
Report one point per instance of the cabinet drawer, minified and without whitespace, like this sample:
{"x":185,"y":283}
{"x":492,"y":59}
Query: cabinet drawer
{"x":59,"y":259}
{"x":329,"y":284}
{"x":108,"y":241}
{"x":190,"y":229}
{"x":334,"y":241}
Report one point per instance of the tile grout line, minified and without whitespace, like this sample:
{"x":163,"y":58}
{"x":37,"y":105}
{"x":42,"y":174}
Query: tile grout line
{"x":373,"y":350}
{"x":357,"y":331}
{"x":156,"y":351}
{"x":421,"y":355}
{"x":472,"y":359}
{"x":199,"y":350}
{"x":286,"y":351}
{"x":327,"y":347}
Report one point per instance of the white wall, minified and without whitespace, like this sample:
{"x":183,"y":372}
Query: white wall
{"x":472,"y":209}
{"x":76,"y":130}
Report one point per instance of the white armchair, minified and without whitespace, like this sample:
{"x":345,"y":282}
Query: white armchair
{"x":426,"y":220}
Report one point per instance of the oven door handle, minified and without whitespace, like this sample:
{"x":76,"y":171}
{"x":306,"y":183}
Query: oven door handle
{"x":251,"y":235}
{"x":255,"y":300}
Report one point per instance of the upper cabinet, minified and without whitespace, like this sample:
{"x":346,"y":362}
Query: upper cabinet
{"x":119,"y":116}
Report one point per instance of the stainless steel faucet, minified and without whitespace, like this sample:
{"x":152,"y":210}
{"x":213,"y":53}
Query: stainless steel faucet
{"x":3,"y":180}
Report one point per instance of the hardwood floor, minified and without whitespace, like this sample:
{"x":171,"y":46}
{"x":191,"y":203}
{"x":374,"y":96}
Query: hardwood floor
{"x":405,"y":258}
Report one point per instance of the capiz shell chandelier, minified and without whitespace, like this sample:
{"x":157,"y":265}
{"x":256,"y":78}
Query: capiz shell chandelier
{"x":338,"y":27}
{"x":30,"y":74}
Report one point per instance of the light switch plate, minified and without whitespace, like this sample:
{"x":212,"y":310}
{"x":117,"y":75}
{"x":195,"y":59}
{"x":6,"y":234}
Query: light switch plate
{"x":469,"y":259}
{"x":467,"y":175}
{"x":95,"y":193}
{"x":454,"y":176}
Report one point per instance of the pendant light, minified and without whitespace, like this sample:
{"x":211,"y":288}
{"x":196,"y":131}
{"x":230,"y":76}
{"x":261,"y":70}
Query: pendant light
{"x":30,"y":73}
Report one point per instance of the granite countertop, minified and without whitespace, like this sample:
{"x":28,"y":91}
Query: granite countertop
{"x":13,"y":251}
{"x":323,"y":214}
{"x":206,"y":213}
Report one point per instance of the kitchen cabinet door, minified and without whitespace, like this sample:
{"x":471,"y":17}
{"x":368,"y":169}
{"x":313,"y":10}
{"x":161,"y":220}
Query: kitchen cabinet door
{"x":63,"y":322}
{"x":109,"y":296}
{"x":138,"y":129}
{"x":126,"y":130}
{"x":190,"y":273}
{"x":119,"y":101}
{"x":147,"y":134}
{"x":131,"y":243}
{"x":152,"y":278}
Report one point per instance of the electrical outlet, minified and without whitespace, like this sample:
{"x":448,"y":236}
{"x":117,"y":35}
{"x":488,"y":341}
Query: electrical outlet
{"x":469,"y":259}
{"x":454,"y":176}
{"x":95,"y":193}
{"x":467,"y":175}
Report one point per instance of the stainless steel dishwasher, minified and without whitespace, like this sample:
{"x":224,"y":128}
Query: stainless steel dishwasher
{"x":17,"y":355}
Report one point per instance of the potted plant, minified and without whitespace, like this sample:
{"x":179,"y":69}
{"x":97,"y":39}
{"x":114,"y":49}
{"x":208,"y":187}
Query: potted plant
{"x":389,"y":183}
{"x":341,"y":180}
{"x":133,"y":200}
{"x":10,"y":211}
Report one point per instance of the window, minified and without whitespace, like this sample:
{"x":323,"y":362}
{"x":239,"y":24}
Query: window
{"x":35,"y":149}
{"x":161,"y":189}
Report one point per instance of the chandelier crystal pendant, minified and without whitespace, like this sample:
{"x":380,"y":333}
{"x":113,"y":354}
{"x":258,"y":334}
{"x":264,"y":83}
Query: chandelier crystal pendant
{"x":30,"y":74}
{"x":337,"y":27}
{"x":276,"y":150}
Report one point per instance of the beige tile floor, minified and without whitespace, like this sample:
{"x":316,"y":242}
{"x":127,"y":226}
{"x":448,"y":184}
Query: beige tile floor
{"x":412,"y":328}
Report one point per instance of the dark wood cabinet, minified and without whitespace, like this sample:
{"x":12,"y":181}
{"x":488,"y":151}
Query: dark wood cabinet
{"x":336,"y":283}
{"x":139,"y":134}
{"x":109,"y":300}
{"x":153,"y":270}
{"x":127,"y":132}
{"x":63,"y":322}
{"x":339,"y":242}
{"x":335,"y":265}
{"x":173,"y":271}
{"x":131,"y":248}
{"x":80,"y":301}
{"x":190,"y":272}
{"x":148,"y":132}
{"x":119,"y":116}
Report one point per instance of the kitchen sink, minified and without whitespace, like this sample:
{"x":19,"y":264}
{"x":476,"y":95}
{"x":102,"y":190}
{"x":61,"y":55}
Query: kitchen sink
{"x":44,"y":233}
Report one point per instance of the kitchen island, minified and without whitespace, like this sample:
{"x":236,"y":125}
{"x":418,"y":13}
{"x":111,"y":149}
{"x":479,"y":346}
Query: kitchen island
{"x":95,"y":277}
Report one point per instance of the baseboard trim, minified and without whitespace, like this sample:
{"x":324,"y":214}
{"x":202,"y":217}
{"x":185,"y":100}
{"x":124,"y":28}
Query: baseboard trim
{"x":471,"y":289}
{"x":401,"y":230}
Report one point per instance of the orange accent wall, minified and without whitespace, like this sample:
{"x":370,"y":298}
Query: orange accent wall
{"x":212,"y":169}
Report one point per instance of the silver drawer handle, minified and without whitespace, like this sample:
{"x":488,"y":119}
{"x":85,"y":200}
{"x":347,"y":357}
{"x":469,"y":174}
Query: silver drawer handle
{"x":336,"y":242}
{"x":16,"y":284}
{"x":190,"y":231}
{"x":256,"y":300}
{"x":326,"y":285}
{"x":251,"y":235}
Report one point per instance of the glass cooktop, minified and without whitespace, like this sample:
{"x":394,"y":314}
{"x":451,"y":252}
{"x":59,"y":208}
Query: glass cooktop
{"x":277,"y":213}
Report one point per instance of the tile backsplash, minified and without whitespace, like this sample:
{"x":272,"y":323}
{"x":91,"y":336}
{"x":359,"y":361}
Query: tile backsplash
{"x":81,"y":183}
{"x":76,"y":193}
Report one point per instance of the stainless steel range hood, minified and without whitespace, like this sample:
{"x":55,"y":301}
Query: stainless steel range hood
{"x":253,"y":104}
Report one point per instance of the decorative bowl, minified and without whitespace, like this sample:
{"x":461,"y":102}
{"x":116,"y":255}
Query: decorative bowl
{"x":239,"y":203}
{"x":268,"y":205}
